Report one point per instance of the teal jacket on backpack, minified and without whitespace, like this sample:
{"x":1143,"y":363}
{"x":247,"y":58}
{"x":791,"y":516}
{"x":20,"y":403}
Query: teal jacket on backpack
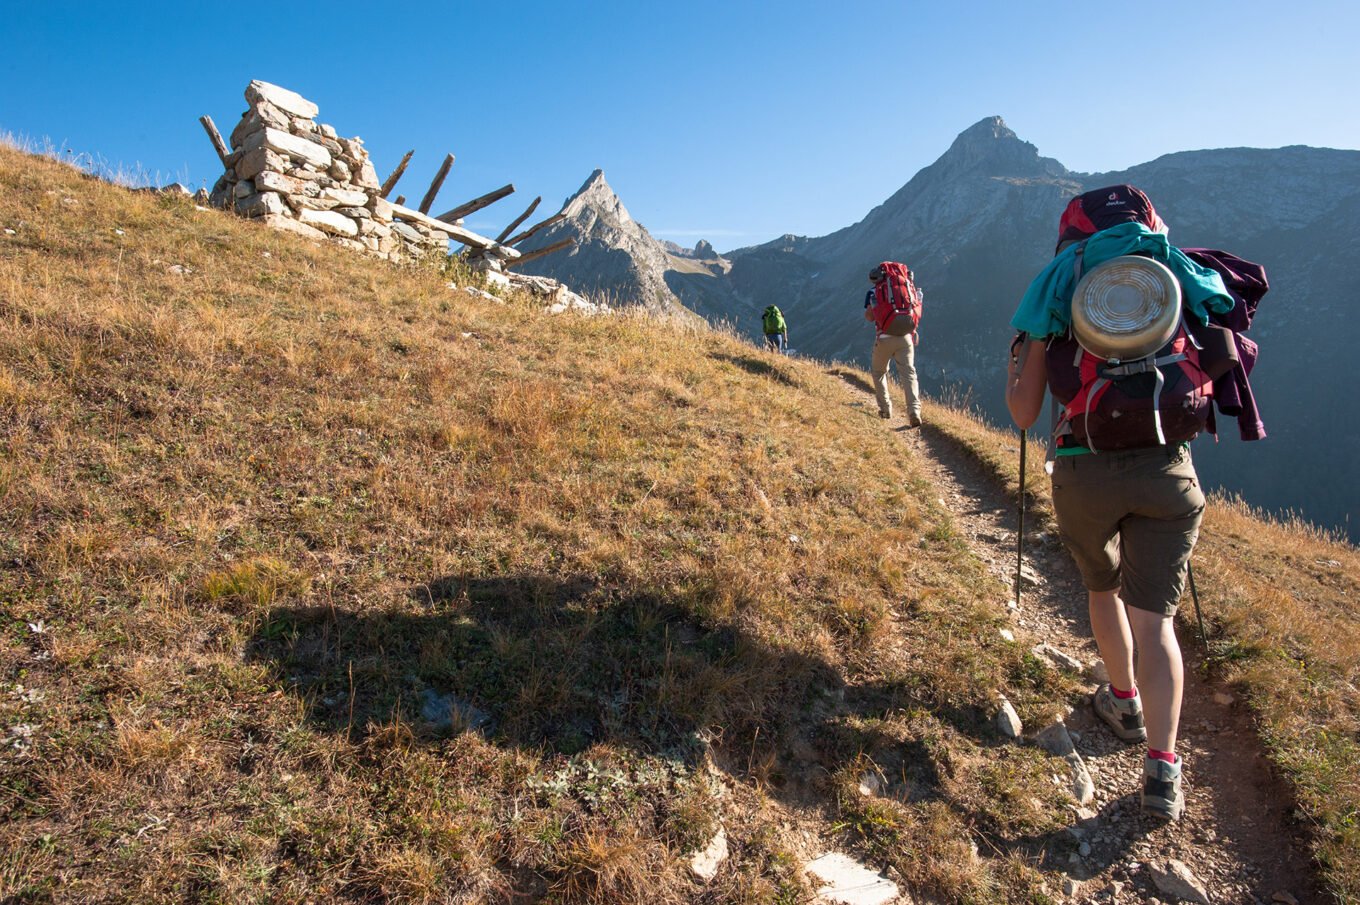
{"x":773,"y":321}
{"x":1046,"y":309}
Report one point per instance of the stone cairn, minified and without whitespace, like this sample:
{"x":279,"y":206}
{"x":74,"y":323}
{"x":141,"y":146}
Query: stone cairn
{"x":293,"y":173}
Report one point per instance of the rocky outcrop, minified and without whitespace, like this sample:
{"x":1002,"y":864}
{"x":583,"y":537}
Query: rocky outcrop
{"x":614,"y":258}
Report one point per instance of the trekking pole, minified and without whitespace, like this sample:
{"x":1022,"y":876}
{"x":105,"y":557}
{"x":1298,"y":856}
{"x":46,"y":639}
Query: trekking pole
{"x":1194,"y":595}
{"x":1020,"y":530}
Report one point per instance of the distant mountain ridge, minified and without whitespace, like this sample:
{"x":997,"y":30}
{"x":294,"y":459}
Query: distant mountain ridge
{"x":977,"y":225}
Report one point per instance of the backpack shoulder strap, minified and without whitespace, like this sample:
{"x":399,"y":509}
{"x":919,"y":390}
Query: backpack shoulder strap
{"x":1078,"y":262}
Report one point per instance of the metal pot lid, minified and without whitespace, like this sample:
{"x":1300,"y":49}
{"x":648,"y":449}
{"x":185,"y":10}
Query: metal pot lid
{"x":1126,"y":308}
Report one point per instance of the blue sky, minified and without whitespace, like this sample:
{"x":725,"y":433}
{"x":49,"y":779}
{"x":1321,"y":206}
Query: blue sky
{"x":735,"y":122}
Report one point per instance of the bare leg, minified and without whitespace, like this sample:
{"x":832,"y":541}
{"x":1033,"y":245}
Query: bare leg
{"x":1161,"y":676}
{"x":1110,"y":625}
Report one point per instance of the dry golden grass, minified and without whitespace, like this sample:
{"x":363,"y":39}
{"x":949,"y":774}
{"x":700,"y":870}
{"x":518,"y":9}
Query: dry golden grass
{"x":1282,"y":600}
{"x":266,"y":505}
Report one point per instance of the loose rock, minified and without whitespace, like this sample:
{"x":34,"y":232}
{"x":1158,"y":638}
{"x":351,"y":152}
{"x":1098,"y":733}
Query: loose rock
{"x":1008,"y":721}
{"x":1056,"y":658}
{"x":843,"y":880}
{"x":705,"y":864}
{"x":1174,"y":878}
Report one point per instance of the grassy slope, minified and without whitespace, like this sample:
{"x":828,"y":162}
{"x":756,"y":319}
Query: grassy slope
{"x":260,"y":515}
{"x":271,"y":510}
{"x":1282,"y":602}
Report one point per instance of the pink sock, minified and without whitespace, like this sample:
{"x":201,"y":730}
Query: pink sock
{"x":1162,"y":755}
{"x":1124,"y":695}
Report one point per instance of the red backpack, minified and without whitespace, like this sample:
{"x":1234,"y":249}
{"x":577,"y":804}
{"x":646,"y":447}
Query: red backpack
{"x":1165,"y":397}
{"x":897,"y":301}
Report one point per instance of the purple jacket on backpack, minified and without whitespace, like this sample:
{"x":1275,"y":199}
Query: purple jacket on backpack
{"x":1246,"y":283}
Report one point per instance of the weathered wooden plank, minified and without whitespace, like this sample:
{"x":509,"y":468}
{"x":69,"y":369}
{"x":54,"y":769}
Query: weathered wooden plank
{"x":520,"y":219}
{"x":401,"y":199}
{"x":528,"y":256}
{"x":543,"y":224}
{"x":456,"y":233}
{"x":476,"y":204}
{"x":215,"y":137}
{"x":391,"y":181}
{"x":435,"y":184}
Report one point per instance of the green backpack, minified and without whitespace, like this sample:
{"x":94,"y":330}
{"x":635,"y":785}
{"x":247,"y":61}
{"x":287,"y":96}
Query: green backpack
{"x":773,"y":320}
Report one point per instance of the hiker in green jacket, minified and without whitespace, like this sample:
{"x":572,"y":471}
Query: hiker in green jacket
{"x":776,"y":330}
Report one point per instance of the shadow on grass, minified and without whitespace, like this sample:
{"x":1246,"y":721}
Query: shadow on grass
{"x":758,"y":367}
{"x":855,"y":380}
{"x":560,"y":665}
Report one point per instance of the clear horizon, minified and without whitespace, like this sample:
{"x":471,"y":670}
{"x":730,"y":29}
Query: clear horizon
{"x":733,"y":123}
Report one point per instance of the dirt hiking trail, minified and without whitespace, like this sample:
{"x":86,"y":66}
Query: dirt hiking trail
{"x":1237,"y":837}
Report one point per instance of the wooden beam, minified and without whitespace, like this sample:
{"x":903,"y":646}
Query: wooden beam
{"x":518,"y":220}
{"x":401,"y":199}
{"x":391,"y":181}
{"x":555,"y":218}
{"x":528,"y":256}
{"x":457,"y":233}
{"x":215,"y":137}
{"x":434,"y":186}
{"x":476,"y":204}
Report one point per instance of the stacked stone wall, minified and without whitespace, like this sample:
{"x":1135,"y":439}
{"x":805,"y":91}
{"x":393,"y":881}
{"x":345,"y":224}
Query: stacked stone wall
{"x":293,"y":173}
{"x":299,"y":175}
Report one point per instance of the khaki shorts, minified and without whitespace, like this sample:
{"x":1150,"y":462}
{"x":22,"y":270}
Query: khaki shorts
{"x":1130,"y":519}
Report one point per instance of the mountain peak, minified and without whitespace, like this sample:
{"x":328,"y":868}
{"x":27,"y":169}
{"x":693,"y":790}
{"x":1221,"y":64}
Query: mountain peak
{"x":596,"y":178}
{"x":992,"y":146}
{"x":990,"y":127}
{"x":595,"y":194}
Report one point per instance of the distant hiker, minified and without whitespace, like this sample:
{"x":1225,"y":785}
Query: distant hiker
{"x":776,"y":329}
{"x":1104,"y":327}
{"x":893,"y":306}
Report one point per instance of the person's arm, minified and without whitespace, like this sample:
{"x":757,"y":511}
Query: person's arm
{"x":1026,"y":380}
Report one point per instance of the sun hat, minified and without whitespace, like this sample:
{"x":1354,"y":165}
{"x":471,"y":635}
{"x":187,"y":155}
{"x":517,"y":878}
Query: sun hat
{"x":1126,"y":308}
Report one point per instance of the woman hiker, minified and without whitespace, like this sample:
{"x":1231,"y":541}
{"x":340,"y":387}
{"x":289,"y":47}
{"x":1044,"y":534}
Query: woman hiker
{"x":1129,"y":517}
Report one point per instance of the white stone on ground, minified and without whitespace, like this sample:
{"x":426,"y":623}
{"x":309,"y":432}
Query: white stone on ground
{"x":1175,"y":879}
{"x":1055,"y":739}
{"x":1008,"y":721}
{"x":1083,"y":788}
{"x":1059,"y":659}
{"x":705,"y":864}
{"x":844,"y":881}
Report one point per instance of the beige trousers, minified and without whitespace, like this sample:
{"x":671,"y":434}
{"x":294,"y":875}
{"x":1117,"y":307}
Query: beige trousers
{"x":902,"y":350}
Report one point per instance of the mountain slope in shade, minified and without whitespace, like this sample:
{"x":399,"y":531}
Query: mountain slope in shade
{"x":978,"y":224}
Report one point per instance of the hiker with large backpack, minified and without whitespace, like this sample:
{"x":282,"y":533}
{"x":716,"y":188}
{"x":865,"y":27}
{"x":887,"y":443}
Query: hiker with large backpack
{"x":893,"y":306}
{"x":1109,"y":328}
{"x":776,"y":329}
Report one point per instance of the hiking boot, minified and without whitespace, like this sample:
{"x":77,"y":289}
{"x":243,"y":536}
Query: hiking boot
{"x":1162,"y":796}
{"x":1125,"y":715}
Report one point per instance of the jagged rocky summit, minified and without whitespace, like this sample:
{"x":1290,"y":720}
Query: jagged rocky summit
{"x":614,"y":259}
